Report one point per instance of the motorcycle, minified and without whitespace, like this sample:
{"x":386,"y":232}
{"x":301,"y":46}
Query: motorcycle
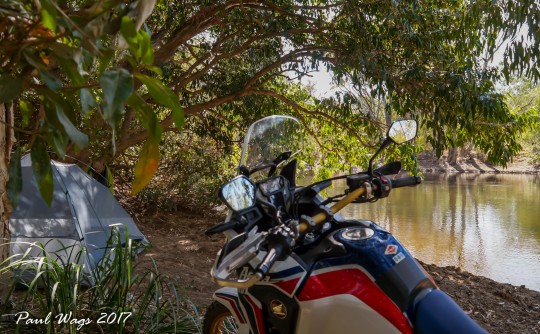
{"x":292,"y":264}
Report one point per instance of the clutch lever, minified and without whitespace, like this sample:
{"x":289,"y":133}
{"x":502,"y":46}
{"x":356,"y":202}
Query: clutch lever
{"x":222,"y":227}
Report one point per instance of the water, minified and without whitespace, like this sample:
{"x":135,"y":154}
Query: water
{"x":486,"y":224}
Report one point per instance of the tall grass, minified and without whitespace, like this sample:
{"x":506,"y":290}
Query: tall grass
{"x":61,"y":295}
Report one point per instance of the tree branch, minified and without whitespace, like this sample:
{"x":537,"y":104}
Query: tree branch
{"x":299,"y":108}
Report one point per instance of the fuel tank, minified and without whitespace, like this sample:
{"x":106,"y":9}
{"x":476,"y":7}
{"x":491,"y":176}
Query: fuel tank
{"x":369,"y":282}
{"x":383,"y":257}
{"x":356,"y":278}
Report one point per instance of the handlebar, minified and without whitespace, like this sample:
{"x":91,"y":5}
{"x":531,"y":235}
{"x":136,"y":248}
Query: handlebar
{"x":322,"y":216}
{"x":275,"y":251}
{"x":406,"y":181}
{"x":271,"y":257}
{"x":353,"y":195}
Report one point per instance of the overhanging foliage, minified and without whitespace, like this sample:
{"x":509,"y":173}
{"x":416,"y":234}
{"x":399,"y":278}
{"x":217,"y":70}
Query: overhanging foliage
{"x":82,"y":71}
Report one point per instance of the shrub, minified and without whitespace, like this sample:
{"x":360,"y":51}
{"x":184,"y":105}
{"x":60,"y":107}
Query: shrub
{"x":113,"y":299}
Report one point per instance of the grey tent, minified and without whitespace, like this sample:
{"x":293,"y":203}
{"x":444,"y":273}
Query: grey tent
{"x":82,"y":214}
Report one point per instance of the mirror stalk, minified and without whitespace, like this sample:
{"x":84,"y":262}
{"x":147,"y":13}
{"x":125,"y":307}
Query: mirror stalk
{"x":384,"y":145}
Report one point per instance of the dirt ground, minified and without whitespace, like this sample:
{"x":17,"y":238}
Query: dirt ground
{"x":183,"y":252}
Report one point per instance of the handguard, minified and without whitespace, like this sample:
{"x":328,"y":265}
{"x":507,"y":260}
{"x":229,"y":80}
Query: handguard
{"x":224,"y":267}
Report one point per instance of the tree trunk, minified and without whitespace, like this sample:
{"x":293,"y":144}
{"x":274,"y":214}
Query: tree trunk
{"x":7,"y":139}
{"x":453,"y":154}
{"x":387,"y":113}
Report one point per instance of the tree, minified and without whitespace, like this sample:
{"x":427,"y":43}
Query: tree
{"x":523,"y":96}
{"x":59,"y":62}
{"x":69,"y":69}
{"x":231,"y":62}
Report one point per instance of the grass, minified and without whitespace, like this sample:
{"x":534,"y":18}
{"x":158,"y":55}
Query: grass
{"x":64,"y":296}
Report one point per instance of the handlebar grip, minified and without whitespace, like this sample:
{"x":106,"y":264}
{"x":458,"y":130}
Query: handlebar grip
{"x":406,"y":181}
{"x":271,"y":257}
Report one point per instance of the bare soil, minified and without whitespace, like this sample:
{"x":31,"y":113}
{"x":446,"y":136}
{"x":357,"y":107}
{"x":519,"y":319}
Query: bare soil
{"x":184,"y":253}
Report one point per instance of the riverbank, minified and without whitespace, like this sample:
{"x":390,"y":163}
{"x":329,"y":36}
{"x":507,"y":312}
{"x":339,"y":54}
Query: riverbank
{"x":474,"y":163}
{"x":184,"y":253}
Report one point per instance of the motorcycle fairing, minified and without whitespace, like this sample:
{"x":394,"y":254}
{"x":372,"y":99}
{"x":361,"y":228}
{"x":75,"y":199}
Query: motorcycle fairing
{"x":267,"y":293}
{"x":287,"y":275}
{"x":246,"y":309}
{"x":342,"y":313}
{"x":336,"y":274}
{"x":347,"y":288}
{"x":253,"y":309}
{"x":228,"y":297}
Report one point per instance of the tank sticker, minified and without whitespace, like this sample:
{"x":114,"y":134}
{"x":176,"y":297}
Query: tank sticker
{"x":398,"y":258}
{"x":391,"y":250}
{"x":355,"y":282}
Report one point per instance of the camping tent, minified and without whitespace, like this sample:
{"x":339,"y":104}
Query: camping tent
{"x":82,"y":215}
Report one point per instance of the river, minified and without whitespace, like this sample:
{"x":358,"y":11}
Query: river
{"x":487,"y":224}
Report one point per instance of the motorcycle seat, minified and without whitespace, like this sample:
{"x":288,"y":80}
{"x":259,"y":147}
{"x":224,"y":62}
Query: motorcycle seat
{"x":438,"y":313}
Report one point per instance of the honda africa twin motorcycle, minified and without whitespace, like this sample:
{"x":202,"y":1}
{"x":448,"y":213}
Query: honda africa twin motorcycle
{"x":292,"y":264}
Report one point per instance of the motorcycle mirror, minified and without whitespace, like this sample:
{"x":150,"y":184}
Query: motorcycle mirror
{"x":399,"y":132}
{"x":403,"y":131}
{"x":238,"y":194}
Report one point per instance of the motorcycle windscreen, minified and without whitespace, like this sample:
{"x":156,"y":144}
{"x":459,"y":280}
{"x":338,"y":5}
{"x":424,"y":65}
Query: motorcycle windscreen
{"x":268,"y":138}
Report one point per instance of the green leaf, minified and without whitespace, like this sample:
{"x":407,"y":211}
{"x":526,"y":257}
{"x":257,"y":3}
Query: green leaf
{"x":10,"y":87}
{"x":80,"y":139}
{"x":87,"y":100}
{"x":65,"y":51}
{"x":71,"y":70}
{"x":164,"y":96}
{"x":178,"y":118}
{"x":49,"y":15}
{"x":34,"y":60}
{"x":105,"y":60}
{"x":50,"y":80}
{"x":14,"y":186}
{"x":157,"y":70}
{"x":26,"y":112}
{"x":128,"y":30}
{"x":147,"y":117}
{"x":117,"y":86}
{"x":146,"y":166}
{"x":59,"y":142}
{"x":41,"y":165}
{"x":147,"y":51}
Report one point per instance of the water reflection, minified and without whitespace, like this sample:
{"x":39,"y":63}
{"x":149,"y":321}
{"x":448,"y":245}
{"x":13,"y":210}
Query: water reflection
{"x":486,"y":224}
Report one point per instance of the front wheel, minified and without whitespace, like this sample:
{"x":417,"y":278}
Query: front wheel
{"x":219,"y":320}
